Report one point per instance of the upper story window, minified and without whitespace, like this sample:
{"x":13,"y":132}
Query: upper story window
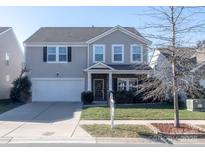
{"x":52,"y":54}
{"x":7,"y":58}
{"x":62,"y":54}
{"x":118,"y":53}
{"x":57,"y":54}
{"x":136,"y":53}
{"x":98,"y":53}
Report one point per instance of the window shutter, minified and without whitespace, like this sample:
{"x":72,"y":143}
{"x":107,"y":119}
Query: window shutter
{"x":44,"y":54}
{"x":69,"y":54}
{"x":114,"y":82}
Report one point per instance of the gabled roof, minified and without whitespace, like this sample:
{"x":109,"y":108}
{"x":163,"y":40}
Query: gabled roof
{"x":123,"y":30}
{"x":3,"y":29}
{"x":198,"y":66}
{"x":130,"y":66}
{"x":72,"y":34}
{"x":186,"y":52}
{"x":99,"y":65}
{"x":133,"y":67}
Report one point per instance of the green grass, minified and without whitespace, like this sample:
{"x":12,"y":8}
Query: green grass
{"x":140,"y":112}
{"x":6,"y":105}
{"x":124,"y":131}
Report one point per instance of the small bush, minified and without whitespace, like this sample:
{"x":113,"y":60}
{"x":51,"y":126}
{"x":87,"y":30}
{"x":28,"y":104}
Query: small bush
{"x":87,"y":97}
{"x":21,"y":90}
{"x":124,"y":97}
{"x":131,"y":97}
{"x":138,"y":98}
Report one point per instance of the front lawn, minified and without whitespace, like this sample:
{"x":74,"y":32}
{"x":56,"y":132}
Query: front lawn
{"x":129,"y":131}
{"x":6,"y":105}
{"x":140,"y":112}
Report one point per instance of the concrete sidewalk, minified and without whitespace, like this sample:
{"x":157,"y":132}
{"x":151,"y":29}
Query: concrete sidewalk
{"x":140,"y":122}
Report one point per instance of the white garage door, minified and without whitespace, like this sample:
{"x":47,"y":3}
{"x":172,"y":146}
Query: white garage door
{"x":67,"y":89}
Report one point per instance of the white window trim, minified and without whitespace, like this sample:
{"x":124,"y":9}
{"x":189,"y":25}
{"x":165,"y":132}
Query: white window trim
{"x":131,"y":53}
{"x":57,"y":54}
{"x":117,"y":45}
{"x":127,"y":82}
{"x":101,"y":45}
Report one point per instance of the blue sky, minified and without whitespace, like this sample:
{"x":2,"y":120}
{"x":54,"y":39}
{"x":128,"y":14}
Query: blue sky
{"x":26,"y":20}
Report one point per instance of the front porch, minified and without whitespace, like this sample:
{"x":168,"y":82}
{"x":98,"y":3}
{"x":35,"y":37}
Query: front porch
{"x":102,"y":78}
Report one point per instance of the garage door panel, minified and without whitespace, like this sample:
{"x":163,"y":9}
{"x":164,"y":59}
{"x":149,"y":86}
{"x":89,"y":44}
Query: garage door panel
{"x":57,"y":90}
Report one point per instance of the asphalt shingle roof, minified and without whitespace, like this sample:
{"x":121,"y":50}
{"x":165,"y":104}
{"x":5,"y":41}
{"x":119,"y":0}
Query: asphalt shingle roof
{"x":70,"y":34}
{"x":184,"y":52}
{"x":131,"y":67}
{"x":2,"y":29}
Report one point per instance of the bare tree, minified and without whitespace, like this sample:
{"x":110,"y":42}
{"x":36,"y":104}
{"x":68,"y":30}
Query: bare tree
{"x":175,"y":28}
{"x":201,"y":44}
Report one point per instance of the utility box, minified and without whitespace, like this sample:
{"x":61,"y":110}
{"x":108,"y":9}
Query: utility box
{"x":195,"y":104}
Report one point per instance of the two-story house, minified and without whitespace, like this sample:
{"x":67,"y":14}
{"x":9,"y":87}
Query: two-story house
{"x":11,"y":58}
{"x":64,"y":61}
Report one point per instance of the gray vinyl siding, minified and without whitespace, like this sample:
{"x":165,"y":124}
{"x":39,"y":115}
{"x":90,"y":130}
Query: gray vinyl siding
{"x":117,"y":37}
{"x":9,"y":44}
{"x":40,"y":69}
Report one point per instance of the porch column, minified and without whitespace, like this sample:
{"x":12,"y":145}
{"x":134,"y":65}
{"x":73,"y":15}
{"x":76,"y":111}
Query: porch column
{"x":89,"y":81}
{"x":110,"y":81}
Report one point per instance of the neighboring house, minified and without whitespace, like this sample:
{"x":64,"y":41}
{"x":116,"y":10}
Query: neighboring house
{"x":160,"y":62}
{"x":11,"y":57}
{"x":192,"y":58}
{"x":199,"y":70}
{"x":161,"y":57}
{"x":64,"y":61}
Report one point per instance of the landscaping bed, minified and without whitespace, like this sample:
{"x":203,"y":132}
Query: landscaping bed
{"x":121,"y":131}
{"x":140,"y":112}
{"x":201,"y":126}
{"x":168,"y":129}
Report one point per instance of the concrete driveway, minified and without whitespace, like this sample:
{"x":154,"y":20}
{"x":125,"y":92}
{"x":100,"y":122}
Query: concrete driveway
{"x":41,"y":120}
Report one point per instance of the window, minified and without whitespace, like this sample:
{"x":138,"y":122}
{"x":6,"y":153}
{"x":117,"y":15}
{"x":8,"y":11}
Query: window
{"x":121,"y":84}
{"x":127,"y":84}
{"x":57,"y":54}
{"x":99,"y":53}
{"x":136,"y":53}
{"x":7,"y":58}
{"x":133,"y":83}
{"x":117,"y":53}
{"x":52,"y":54}
{"x":62,"y":54}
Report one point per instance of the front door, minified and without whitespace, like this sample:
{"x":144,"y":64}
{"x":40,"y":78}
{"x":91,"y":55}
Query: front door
{"x":99,"y":89}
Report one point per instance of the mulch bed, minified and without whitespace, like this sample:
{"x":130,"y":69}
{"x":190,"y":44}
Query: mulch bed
{"x":168,"y":128}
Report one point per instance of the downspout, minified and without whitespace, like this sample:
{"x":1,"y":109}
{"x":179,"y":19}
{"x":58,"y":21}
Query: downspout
{"x":88,"y":63}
